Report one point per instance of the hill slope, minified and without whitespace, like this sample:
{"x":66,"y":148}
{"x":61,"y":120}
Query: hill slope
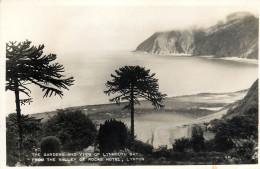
{"x":247,"y":105}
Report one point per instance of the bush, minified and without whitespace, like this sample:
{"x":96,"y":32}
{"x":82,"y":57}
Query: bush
{"x":222,"y":142}
{"x":209,"y":145}
{"x":73,"y":128}
{"x":246,"y":149}
{"x":50,"y":144}
{"x":112,"y":136}
{"x":180,"y":145}
{"x":162,"y":151}
{"x":143,"y":148}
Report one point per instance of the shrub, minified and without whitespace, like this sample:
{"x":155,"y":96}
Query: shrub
{"x":112,"y":136}
{"x":162,"y":151}
{"x":180,"y":145}
{"x":246,"y":149}
{"x":143,"y":148}
{"x":209,"y":145}
{"x":73,"y":128}
{"x":50,"y":144}
{"x":222,"y":142}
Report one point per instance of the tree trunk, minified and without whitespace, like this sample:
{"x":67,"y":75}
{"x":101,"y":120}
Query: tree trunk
{"x":132,"y":118}
{"x":19,"y":122}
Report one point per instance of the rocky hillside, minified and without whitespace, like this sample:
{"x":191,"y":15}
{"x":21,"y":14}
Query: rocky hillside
{"x":248,"y":105}
{"x":235,"y":37}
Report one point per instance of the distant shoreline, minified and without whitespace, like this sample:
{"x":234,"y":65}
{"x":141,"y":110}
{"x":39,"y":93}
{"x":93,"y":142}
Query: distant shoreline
{"x":235,"y":59}
{"x":243,"y":60}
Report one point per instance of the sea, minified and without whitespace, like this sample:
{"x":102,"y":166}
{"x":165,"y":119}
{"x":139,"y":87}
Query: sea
{"x":177,"y":75}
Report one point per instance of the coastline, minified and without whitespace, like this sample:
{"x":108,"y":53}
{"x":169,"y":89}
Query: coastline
{"x":232,"y":58}
{"x":243,"y":60}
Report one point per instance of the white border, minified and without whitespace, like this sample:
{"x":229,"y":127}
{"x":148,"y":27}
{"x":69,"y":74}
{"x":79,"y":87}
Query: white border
{"x":5,"y":4}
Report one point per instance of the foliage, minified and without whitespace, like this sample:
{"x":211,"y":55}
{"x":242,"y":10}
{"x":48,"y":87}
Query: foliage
{"x":243,"y":126}
{"x":196,"y":142}
{"x":73,"y":128}
{"x":11,"y":149}
{"x":197,"y":139}
{"x":50,"y":144}
{"x":137,"y":81}
{"x":131,"y":83}
{"x":26,"y":64}
{"x":143,"y":148}
{"x":182,"y":144}
{"x":32,"y":132}
{"x":162,"y":152}
{"x":245,"y":148}
{"x":223,"y":142}
{"x":209,"y":145}
{"x":112,"y":136}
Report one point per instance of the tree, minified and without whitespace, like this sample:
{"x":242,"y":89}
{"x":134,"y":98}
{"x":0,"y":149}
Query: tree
{"x":132,"y":83}
{"x":112,"y":136}
{"x":26,"y":65}
{"x":197,"y":139}
{"x":73,"y":128}
{"x":32,"y":132}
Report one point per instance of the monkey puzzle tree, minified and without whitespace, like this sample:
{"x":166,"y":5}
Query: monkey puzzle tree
{"x":26,"y":65}
{"x":132,"y":83}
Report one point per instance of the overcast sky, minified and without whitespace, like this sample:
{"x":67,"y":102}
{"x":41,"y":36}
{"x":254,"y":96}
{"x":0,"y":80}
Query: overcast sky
{"x":83,"y":28}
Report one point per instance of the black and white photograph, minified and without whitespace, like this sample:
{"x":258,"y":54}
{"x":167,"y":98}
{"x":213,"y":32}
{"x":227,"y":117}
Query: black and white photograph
{"x":129,"y":85}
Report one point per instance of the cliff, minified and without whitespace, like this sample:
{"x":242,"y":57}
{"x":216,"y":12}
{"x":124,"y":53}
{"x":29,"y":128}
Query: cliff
{"x":169,"y":42}
{"x":235,"y":37}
